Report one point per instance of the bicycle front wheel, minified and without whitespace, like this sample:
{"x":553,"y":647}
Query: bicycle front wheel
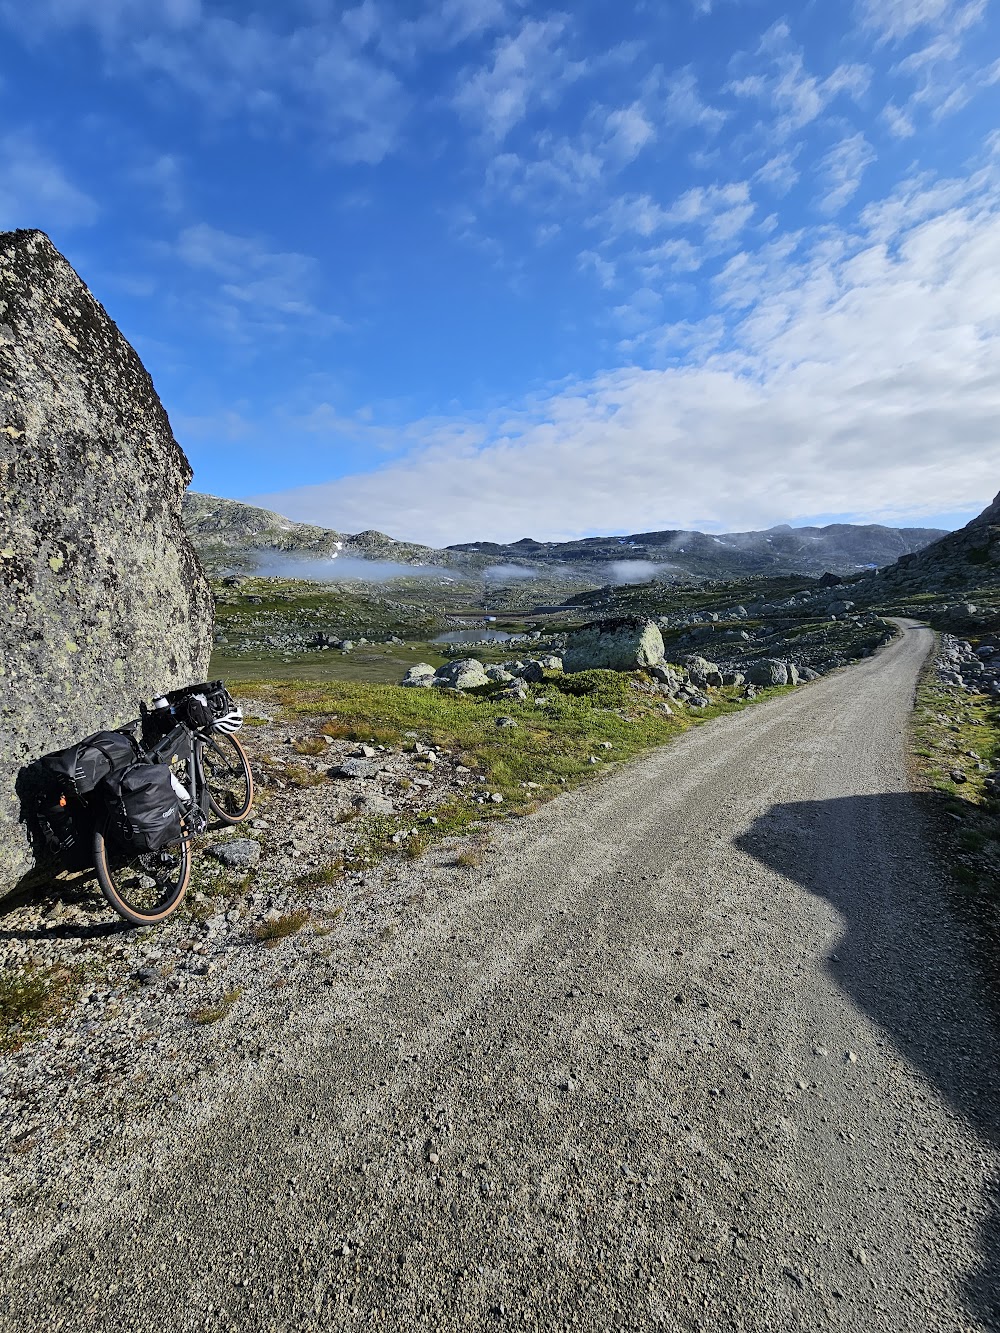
{"x":143,"y":887}
{"x":228,"y":779}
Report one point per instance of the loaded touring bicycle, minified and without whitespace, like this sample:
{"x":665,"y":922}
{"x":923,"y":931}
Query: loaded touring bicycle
{"x":128,"y":802}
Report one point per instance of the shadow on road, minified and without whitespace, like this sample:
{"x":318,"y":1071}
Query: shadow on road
{"x":901,"y":960}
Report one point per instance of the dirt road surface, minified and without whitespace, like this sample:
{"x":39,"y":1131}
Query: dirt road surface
{"x":699,"y":1048}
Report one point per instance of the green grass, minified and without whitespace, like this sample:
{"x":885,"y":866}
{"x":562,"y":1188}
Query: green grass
{"x":33,"y":998}
{"x":551,"y":747}
{"x":212,"y":1013}
{"x":270,"y":933}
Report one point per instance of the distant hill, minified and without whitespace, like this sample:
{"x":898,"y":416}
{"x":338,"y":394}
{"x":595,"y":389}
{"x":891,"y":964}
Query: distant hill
{"x":842,"y":548}
{"x":968,"y":558}
{"x":231,"y":536}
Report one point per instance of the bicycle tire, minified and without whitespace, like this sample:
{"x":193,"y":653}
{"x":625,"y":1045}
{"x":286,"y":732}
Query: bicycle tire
{"x":122,"y":876}
{"x":230,"y":802}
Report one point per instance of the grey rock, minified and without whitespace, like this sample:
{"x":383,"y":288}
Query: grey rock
{"x":466,"y":674}
{"x":769,"y":671}
{"x":240,"y":854}
{"x":498,"y":673}
{"x":626,"y":644}
{"x":533,"y":673}
{"x":419,"y":676}
{"x":373,"y":804}
{"x":105,"y":601}
{"x":351,"y":768}
{"x":506,"y":722}
{"x":671,"y":680}
{"x":702,"y":672}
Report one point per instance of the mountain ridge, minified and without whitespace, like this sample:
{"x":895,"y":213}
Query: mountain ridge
{"x":229,"y":536}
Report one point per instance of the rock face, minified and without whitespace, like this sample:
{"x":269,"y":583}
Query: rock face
{"x":627,"y":644}
{"x":104,"y":600}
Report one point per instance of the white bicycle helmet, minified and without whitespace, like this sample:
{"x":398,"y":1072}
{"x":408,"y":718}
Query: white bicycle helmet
{"x":230,"y":721}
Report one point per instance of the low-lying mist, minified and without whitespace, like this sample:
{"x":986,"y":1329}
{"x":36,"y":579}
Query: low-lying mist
{"x":344,"y":569}
{"x":509,"y":573}
{"x":633,"y":571}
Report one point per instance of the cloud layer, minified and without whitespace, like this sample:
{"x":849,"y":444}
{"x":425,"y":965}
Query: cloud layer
{"x":860,"y":375}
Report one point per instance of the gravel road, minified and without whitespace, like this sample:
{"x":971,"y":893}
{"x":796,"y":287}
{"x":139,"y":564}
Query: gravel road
{"x":698,"y":1048}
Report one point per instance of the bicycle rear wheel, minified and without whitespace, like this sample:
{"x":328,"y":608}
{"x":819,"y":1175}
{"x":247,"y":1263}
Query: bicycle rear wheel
{"x":228,"y":779}
{"x":143,"y":887}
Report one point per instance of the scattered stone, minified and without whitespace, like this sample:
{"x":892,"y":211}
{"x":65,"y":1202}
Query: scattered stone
{"x":466,"y":674}
{"x":506,"y":722}
{"x":351,"y":768}
{"x":240,"y":854}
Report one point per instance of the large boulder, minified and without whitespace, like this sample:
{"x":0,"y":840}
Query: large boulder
{"x":769,"y":671}
{"x":105,"y":601}
{"x":420,"y":676}
{"x":466,"y":674}
{"x":703,"y":672}
{"x":626,"y":644}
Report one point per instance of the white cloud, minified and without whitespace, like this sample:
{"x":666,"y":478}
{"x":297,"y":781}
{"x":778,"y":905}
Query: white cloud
{"x":36,"y":192}
{"x":895,"y":20}
{"x":720,"y":212}
{"x":527,"y":68}
{"x":257,"y":288}
{"x":860,"y":377}
{"x":313,"y":79}
{"x":684,"y":106}
{"x":900,"y":123}
{"x":842,"y":169}
{"x":779,"y":172}
{"x":794,"y":95}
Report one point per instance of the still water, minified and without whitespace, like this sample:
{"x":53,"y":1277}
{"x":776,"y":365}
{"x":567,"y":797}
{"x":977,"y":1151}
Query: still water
{"x":473,"y":636}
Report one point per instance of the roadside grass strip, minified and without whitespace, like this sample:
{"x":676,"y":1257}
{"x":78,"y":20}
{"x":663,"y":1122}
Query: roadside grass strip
{"x":956,"y":747}
{"x":573,"y":727}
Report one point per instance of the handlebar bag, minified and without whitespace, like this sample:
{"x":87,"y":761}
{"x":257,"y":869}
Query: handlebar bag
{"x":142,"y":812}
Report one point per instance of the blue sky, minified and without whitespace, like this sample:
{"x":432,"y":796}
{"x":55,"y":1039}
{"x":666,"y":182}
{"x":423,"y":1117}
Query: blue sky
{"x":485,"y":268}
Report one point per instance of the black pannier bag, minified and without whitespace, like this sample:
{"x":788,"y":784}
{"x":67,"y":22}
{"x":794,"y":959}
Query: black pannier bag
{"x":56,"y":789}
{"x":79,"y":768}
{"x":141,"y":810}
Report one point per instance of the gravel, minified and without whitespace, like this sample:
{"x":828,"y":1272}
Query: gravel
{"x":604,"y":1082}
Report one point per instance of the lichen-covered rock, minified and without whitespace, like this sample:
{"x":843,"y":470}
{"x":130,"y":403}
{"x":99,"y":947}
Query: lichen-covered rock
{"x":769,"y":671}
{"x":104,"y":600}
{"x":419,"y":676}
{"x":703,"y":672}
{"x":626,"y":644}
{"x":466,"y":674}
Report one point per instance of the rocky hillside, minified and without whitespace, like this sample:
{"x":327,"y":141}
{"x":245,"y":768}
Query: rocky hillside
{"x":957,"y":562}
{"x":227,"y":535}
{"x":106,"y":602}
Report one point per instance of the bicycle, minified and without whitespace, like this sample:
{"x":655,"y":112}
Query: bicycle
{"x":191,"y":730}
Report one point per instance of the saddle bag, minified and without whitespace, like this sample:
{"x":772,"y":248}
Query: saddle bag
{"x":141,"y":809}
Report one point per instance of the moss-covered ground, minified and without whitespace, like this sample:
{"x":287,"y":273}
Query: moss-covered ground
{"x":956,"y":746}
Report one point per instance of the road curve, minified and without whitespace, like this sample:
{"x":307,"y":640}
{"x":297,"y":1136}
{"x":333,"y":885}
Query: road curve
{"x":701,"y":1049}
